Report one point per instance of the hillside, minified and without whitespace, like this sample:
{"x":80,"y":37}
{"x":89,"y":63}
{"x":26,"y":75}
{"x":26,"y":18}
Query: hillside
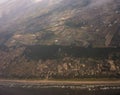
{"x":59,"y":39}
{"x":61,"y":22}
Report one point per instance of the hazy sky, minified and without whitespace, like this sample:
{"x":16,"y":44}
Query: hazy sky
{"x":2,"y":1}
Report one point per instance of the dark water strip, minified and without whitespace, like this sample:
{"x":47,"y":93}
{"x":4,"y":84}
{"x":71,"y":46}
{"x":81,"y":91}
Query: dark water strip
{"x":55,"y":91}
{"x":44,"y":89}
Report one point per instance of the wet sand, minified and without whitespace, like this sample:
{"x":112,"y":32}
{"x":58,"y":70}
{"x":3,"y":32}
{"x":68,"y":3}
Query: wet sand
{"x":52,"y":82}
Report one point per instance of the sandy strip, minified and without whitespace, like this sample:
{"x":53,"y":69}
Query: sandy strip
{"x":117,"y":82}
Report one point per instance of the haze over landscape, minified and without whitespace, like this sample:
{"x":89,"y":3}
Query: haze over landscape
{"x":74,"y":41}
{"x":48,"y":22}
{"x":72,"y":36}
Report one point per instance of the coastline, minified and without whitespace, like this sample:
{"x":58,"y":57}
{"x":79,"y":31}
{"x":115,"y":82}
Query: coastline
{"x":52,"y":87}
{"x":58,"y":82}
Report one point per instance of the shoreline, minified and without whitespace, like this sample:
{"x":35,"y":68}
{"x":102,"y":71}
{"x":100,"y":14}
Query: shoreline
{"x":57,"y":82}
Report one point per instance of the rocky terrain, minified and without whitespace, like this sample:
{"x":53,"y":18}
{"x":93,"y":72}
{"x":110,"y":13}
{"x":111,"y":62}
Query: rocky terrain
{"x":60,"y":39}
{"x":59,"y":62}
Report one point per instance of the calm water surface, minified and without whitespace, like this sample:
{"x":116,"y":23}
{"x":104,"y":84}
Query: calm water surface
{"x":62,"y":90}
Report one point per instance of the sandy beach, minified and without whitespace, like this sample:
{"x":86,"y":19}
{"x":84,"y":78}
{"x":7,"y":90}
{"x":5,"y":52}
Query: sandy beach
{"x":52,"y":82}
